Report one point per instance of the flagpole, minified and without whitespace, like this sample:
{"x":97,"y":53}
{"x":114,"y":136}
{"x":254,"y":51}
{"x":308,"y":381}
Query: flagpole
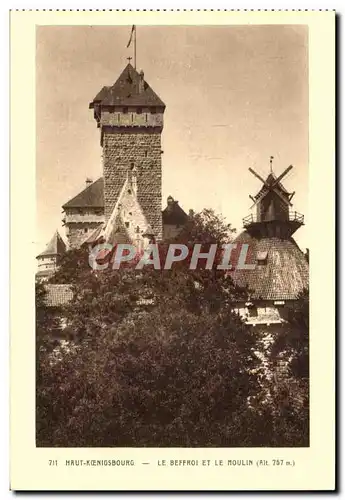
{"x":135,"y":47}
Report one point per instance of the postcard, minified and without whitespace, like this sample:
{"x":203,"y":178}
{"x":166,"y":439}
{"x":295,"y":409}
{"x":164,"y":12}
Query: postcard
{"x":172,"y":303}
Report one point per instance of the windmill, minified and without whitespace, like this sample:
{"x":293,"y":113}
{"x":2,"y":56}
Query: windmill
{"x":273,"y":205}
{"x":280,"y":269}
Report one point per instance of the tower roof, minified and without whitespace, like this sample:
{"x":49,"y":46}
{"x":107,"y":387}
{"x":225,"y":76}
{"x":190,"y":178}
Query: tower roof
{"x":130,"y":89}
{"x":173,"y":213}
{"x":58,"y":295}
{"x":56,"y":246}
{"x":91,"y":196}
{"x":281,"y":269}
{"x":271,"y":179}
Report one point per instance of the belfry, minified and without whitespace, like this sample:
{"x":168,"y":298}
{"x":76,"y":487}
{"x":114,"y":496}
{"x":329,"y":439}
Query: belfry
{"x":125,"y":204}
{"x":130,"y":117}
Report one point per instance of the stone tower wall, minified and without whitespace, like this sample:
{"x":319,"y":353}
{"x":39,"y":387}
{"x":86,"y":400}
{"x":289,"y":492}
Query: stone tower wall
{"x":80,"y":223}
{"x":123,"y":149}
{"x":77,"y":232}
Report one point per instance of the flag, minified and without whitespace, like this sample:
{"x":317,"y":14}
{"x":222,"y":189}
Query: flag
{"x":130,"y":38}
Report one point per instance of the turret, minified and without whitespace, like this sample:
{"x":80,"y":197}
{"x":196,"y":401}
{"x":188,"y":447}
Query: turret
{"x":49,"y":259}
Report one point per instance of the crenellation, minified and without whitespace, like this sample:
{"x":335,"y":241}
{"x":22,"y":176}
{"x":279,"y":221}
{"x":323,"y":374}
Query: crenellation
{"x":144,"y":119}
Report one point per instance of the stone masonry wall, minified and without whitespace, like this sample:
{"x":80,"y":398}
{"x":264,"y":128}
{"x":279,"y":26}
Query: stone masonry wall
{"x":139,"y":148}
{"x":171,"y":231}
{"x":77,"y":232}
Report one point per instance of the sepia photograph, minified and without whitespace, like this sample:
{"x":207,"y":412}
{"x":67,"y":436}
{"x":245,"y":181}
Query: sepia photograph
{"x":172,"y":243}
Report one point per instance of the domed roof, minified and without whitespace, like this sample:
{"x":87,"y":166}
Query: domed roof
{"x":281,"y":269}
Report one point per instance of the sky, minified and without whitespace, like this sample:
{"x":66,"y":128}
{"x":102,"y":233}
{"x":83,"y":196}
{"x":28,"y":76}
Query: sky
{"x":234,"y":95}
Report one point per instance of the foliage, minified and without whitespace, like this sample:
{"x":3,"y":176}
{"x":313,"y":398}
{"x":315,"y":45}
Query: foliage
{"x":206,"y":227}
{"x":48,"y":327}
{"x":156,"y":358}
{"x":73,"y":267}
{"x":284,"y":395}
{"x":182,"y":383}
{"x":293,"y":342}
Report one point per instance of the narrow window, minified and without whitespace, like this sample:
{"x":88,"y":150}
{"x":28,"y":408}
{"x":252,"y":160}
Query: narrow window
{"x":85,"y":229}
{"x":262,"y":258}
{"x":252,"y":312}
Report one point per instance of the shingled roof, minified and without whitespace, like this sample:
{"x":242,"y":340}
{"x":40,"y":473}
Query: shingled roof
{"x":91,"y":196}
{"x":56,"y":246}
{"x":127,"y":91}
{"x":282,"y":275}
{"x":58,"y":295}
{"x":173,"y":214}
{"x":95,"y":236}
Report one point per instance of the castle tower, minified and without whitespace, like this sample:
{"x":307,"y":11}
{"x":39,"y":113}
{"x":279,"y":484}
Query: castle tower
{"x":130,"y":117}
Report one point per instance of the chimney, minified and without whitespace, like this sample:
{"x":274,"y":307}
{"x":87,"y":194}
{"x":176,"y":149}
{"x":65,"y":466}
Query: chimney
{"x":88,"y":181}
{"x":170,"y":200}
{"x":141,"y":82}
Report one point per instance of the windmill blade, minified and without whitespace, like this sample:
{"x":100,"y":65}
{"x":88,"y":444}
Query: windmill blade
{"x":258,"y":176}
{"x":276,"y":191}
{"x":278,"y":179}
{"x":292,"y":195}
{"x":263,"y":194}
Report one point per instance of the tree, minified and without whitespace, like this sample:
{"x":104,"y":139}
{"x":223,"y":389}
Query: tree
{"x":183,"y":382}
{"x":156,"y":358}
{"x":48,"y":325}
{"x":284,"y":396}
{"x":73,"y":266}
{"x":206,"y":227}
{"x":293,"y":341}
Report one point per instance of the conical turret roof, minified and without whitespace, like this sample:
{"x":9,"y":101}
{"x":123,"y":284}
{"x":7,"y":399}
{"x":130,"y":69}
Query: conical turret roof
{"x":56,"y":246}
